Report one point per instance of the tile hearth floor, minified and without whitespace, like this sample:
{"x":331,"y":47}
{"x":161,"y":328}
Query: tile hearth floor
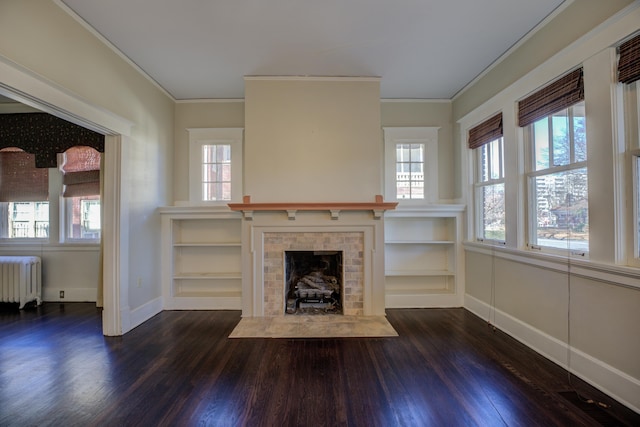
{"x":313,"y":326}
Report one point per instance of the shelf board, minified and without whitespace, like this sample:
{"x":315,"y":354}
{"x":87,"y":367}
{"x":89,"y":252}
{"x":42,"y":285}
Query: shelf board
{"x":419,"y":242}
{"x":209,"y":294}
{"x":418,"y":273}
{"x":208,"y":244}
{"x":207,"y":276}
{"x":414,"y":291}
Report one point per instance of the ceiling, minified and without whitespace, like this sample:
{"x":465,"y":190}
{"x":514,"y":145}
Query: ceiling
{"x":202,"y":49}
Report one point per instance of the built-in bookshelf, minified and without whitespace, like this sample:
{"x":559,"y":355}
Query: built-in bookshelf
{"x":422,"y":256}
{"x":202,"y":258}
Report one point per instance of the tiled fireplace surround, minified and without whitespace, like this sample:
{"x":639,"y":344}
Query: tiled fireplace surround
{"x":358,"y":233}
{"x":350,"y":243}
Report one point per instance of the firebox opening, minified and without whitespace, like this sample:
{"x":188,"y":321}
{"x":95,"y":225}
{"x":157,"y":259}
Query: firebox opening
{"x":313,"y":282}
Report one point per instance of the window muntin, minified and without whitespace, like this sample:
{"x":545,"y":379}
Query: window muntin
{"x":558,"y":204}
{"x":489,"y":190}
{"x":410,"y":171}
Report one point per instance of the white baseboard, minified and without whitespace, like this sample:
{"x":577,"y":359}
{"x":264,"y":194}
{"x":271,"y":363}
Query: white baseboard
{"x":146,"y":311}
{"x":70,"y":294}
{"x":617,"y":384}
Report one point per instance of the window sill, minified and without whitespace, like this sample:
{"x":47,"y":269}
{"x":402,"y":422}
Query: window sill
{"x":618,"y":275}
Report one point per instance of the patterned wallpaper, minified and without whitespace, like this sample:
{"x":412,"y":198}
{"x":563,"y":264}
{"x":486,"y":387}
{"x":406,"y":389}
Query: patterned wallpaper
{"x":45,"y":136}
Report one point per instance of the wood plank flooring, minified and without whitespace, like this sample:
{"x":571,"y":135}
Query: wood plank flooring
{"x":447,"y":368}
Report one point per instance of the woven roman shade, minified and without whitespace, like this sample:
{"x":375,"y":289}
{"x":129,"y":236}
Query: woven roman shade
{"x":556,"y":96}
{"x":20,"y":180}
{"x":629,"y":61}
{"x":485,"y":132}
{"x":81,"y":169}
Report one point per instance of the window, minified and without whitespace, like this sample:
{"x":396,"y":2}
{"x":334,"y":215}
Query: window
{"x":411,"y":164}
{"x":215,"y":165}
{"x":557,"y":181}
{"x":629,"y":76}
{"x":80,"y":208}
{"x":410,"y":171}
{"x":28,"y":220}
{"x":632,"y":162}
{"x":24,"y":194}
{"x":486,"y":141}
{"x":489,"y":191}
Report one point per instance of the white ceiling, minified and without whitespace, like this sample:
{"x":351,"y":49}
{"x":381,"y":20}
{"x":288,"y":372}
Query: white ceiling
{"x":199,"y":49}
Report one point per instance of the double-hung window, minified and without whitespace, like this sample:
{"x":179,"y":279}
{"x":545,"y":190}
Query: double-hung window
{"x":488,"y":145}
{"x":411,"y":161}
{"x":555,"y":136}
{"x":629,"y":76}
{"x":215,"y":165}
{"x":80,"y":206}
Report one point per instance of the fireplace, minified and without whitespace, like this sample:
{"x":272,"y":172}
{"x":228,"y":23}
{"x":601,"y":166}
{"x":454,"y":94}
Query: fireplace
{"x":313,"y":282}
{"x":344,"y":246}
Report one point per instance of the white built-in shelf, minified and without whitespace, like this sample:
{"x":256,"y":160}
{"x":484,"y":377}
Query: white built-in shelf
{"x":209,"y":245}
{"x":422,"y":256}
{"x":202,"y":258}
{"x":208,"y":276}
{"x":419,"y":242}
{"x":419,"y":273}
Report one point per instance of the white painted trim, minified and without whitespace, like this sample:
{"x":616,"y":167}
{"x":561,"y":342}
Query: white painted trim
{"x":416,"y":100}
{"x":610,"y":380}
{"x":199,"y":137}
{"x":111,"y":46}
{"x":47,"y":247}
{"x":112,"y":272}
{"x":146,"y":311}
{"x":27,"y":87}
{"x":210,"y":101}
{"x":427,"y":135}
{"x":628,"y":277}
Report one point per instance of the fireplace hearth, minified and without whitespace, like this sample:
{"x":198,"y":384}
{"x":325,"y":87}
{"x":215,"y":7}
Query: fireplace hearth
{"x":313,"y":282}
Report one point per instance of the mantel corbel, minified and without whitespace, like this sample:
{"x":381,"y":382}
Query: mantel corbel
{"x":334,"y":208}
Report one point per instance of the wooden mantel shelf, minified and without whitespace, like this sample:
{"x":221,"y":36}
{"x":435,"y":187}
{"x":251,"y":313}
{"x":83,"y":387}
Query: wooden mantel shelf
{"x":378,"y":207}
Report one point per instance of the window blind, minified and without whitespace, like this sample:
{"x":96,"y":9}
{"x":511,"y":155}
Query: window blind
{"x":20,"y":180}
{"x":485,"y":132}
{"x":629,"y":60}
{"x":81,"y":169}
{"x":558,"y":95}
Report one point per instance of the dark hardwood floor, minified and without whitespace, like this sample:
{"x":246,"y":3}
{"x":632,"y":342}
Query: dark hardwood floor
{"x":447,"y":368}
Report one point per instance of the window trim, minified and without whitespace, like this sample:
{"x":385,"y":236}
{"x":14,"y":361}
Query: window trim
{"x":199,"y":137}
{"x":411,"y":135}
